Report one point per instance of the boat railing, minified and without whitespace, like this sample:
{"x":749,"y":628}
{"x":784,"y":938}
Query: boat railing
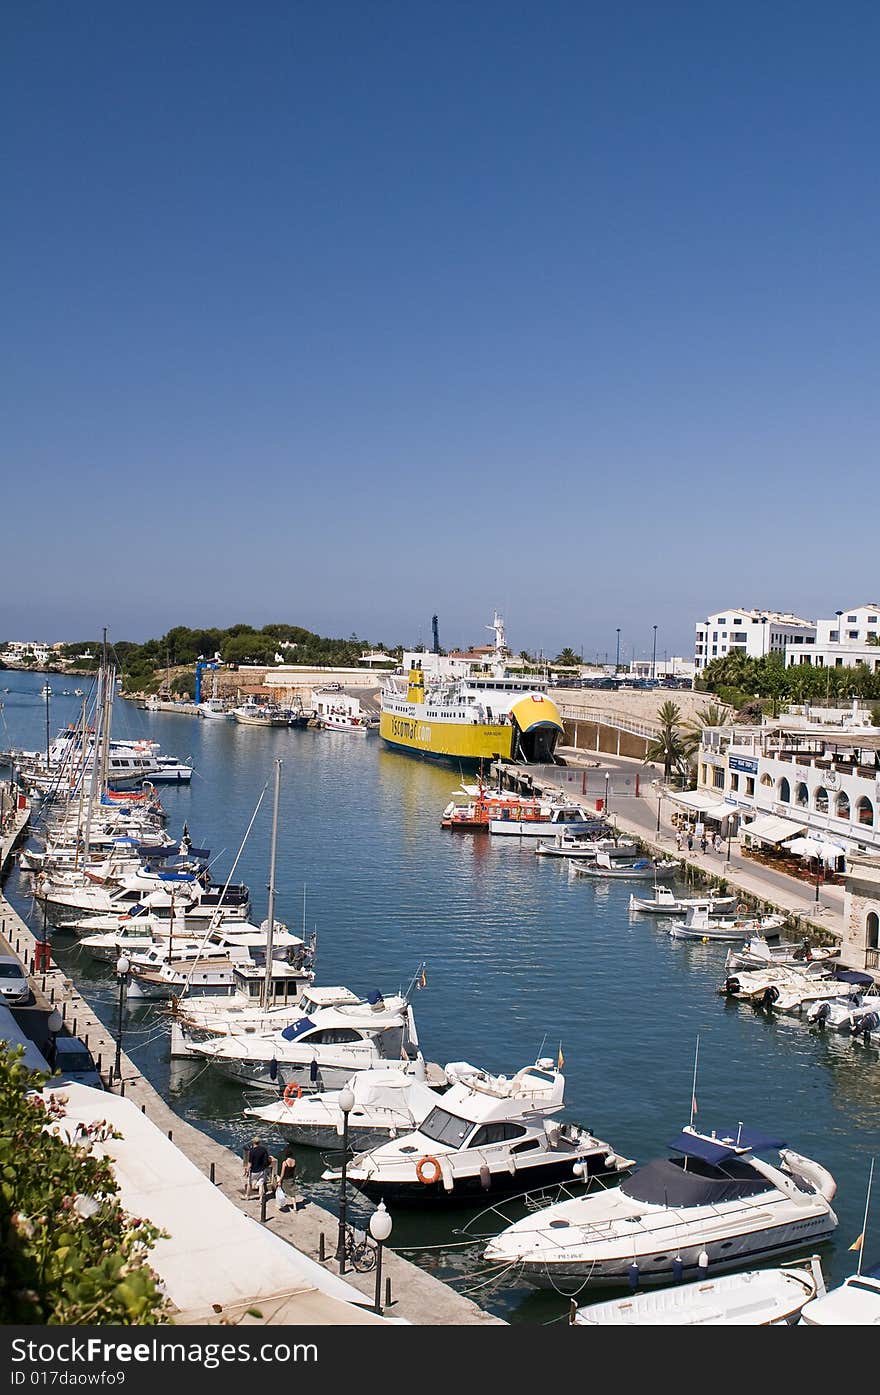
{"x":674,"y":1228}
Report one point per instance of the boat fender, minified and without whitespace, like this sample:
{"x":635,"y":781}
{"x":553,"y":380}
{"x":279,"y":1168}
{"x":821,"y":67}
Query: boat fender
{"x":428,"y":1170}
{"x":485,"y":1177}
{"x":273,"y":1068}
{"x":292,"y":1091}
{"x":677,"y":1269}
{"x":741,"y":908}
{"x":632,"y":1275}
{"x":703,"y":1263}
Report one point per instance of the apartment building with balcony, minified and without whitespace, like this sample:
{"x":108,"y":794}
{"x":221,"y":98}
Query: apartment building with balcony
{"x":755,"y":633}
{"x":843,"y":642}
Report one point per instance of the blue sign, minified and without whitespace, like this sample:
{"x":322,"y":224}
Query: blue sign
{"x":748,"y":764}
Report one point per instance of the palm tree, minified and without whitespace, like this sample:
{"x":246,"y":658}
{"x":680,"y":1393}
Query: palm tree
{"x":672,"y":744}
{"x":568,"y":657}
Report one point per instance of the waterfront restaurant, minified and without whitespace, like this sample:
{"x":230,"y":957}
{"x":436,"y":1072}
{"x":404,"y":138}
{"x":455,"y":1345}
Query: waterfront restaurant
{"x":799,"y":779}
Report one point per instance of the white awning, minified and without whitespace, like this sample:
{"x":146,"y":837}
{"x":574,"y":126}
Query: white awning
{"x":771,"y":829}
{"x":721,"y":811}
{"x":695,"y":800}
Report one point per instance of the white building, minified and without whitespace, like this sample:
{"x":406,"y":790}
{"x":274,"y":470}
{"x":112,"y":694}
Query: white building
{"x":798,"y":776}
{"x":755,"y":633}
{"x":843,"y":642}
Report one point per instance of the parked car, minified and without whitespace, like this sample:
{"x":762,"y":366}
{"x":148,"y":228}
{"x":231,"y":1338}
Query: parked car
{"x":74,"y":1061}
{"x":14,"y":986}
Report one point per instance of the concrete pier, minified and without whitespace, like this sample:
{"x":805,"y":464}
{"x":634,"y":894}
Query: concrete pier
{"x":415,"y":1295}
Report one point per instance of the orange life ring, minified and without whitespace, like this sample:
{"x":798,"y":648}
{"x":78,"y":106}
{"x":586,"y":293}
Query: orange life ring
{"x":292,"y":1092}
{"x":424,"y":1163}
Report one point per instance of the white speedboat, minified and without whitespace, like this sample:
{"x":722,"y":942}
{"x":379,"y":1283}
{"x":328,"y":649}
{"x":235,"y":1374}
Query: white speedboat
{"x":858,"y":1015}
{"x":755,"y":1298}
{"x":172,"y":771}
{"x":487,"y":1136}
{"x":700,"y":925}
{"x":709,"y":1208}
{"x":387,"y":1103}
{"x":665,"y":902}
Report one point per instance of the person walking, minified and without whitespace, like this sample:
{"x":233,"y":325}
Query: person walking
{"x":704,"y":843}
{"x":678,"y":840}
{"x":257,"y":1166}
{"x":690,"y":841}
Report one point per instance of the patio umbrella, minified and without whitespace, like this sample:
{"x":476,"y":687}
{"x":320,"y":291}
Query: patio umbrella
{"x":815,"y":847}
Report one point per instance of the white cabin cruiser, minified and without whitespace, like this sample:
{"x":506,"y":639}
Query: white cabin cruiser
{"x":548,"y":818}
{"x":710,"y":1207}
{"x":487,"y":1135}
{"x":387,"y":1103}
{"x":754,"y":1298}
{"x":319,"y":1051}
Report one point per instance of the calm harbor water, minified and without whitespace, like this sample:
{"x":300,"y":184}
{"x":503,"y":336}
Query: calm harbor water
{"x":521,"y":954}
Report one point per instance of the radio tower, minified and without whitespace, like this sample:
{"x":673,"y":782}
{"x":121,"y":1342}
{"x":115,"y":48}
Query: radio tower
{"x":436,"y":631}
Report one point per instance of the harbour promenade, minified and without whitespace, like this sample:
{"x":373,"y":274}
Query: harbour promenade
{"x":648,"y":816}
{"x":416,"y":1295}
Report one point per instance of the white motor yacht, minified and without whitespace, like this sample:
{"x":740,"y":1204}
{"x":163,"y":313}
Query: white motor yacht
{"x":713,"y":1205}
{"x":855,"y":1303}
{"x":387,"y":1103}
{"x":317,"y":1052}
{"x":488,"y":1135}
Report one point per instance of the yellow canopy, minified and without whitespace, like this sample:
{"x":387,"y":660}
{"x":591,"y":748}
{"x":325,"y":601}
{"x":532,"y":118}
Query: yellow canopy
{"x":536,"y":711}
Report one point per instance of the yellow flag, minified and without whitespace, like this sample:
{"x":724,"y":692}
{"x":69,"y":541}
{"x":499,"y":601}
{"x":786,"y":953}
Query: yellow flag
{"x":560,"y":1059}
{"x":857,"y":1244}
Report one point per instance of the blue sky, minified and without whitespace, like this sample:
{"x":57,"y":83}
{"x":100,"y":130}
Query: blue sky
{"x":351,"y":313}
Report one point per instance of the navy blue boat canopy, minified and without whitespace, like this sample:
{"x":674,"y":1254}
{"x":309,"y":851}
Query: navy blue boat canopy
{"x":296,"y":1029}
{"x":724,"y":1145}
{"x":853,"y":976}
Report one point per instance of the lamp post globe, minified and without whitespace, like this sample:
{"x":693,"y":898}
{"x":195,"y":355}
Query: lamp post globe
{"x":54,"y":1023}
{"x":346,"y":1104}
{"x":380,"y":1229}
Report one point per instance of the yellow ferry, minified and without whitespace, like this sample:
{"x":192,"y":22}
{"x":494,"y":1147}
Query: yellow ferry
{"x":456,"y":710}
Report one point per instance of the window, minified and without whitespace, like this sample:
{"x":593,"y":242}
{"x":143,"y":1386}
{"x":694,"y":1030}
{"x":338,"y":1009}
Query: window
{"x":865,"y":812}
{"x":443,"y":1127}
{"x":820,"y":800}
{"x":872,"y":931}
{"x":784,"y":791}
{"x":734,"y":782}
{"x":766,"y":780}
{"x":718,"y":779}
{"x":834,"y":636}
{"x":841,"y":805}
{"x":750,"y":786}
{"x":737,"y":621}
{"x":722,"y":619}
{"x":496,"y":1133}
{"x":872,"y":619}
{"x":802,"y":795}
{"x":852,"y":619}
{"x":852,"y":634}
{"x":332,"y":1036}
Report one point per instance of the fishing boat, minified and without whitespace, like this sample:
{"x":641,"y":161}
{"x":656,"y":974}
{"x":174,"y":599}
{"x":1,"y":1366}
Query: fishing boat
{"x":213,"y":709}
{"x":566,"y":846}
{"x":387,"y":1103}
{"x":543,"y":818}
{"x":756,"y":953}
{"x":261,"y":714}
{"x":340,"y":719}
{"x":604,"y":869}
{"x":665,"y":902}
{"x":754,"y":1298}
{"x":699,"y":924}
{"x":711,"y":1206}
{"x":455,"y":709}
{"x":486,"y":1136}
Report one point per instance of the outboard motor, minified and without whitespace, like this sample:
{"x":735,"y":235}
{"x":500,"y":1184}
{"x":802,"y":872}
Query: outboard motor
{"x":866,"y":1024}
{"x":769,"y":996}
{"x":822,"y":1013}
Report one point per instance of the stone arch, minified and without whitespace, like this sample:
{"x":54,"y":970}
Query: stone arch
{"x":872,"y":930}
{"x":865,"y":812}
{"x":766,"y":779}
{"x":784,"y":791}
{"x":820,"y":800}
{"x":801,"y":795}
{"x":841,"y":805}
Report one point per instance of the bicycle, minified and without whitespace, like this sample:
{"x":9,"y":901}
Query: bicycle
{"x":360,"y":1254}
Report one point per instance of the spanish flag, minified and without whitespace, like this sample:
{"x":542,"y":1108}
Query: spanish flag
{"x":560,"y":1059}
{"x":423,"y":980}
{"x":859,"y":1242}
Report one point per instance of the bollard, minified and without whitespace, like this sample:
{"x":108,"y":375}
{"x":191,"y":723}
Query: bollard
{"x":212,"y":1174}
{"x":98,"y":1063}
{"x":143,"y":1109}
{"x":43,"y":984}
{"x":110,"y":1078}
{"x":52,"y":996}
{"x":73,"y":1028}
{"x":387,"y":1291}
{"x":263,"y":1206}
{"x":170,"y":1139}
{"x":121,"y":1086}
{"x":321,"y":1247}
{"x":64,"y":1011}
{"x":86,"y":1041}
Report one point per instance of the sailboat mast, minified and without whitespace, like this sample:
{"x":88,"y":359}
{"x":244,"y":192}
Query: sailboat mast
{"x":694,"y":1082}
{"x":267,"y":985}
{"x":867,"y":1209}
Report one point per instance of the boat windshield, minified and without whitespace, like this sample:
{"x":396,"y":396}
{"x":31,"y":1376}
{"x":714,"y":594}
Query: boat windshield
{"x":443,"y":1127}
